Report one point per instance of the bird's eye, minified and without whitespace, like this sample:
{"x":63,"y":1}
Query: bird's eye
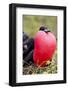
{"x":25,"y":46}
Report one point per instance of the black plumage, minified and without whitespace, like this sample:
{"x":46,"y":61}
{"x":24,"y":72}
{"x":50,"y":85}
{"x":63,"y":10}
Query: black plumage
{"x":25,"y":36}
{"x":28,"y":46}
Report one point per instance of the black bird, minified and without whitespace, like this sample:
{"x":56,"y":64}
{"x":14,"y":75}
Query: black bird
{"x":25,"y":36}
{"x":28,"y":46}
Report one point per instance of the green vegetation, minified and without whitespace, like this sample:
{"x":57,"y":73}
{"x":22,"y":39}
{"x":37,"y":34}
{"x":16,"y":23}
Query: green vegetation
{"x":32,"y":24}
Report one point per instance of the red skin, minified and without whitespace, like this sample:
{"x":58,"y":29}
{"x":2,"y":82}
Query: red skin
{"x":44,"y":47}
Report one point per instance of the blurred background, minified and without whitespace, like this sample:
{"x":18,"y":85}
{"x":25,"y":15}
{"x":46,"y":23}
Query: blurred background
{"x":32,"y":24}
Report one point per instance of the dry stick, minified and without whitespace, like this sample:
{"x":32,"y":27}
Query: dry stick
{"x":40,"y":65}
{"x":29,"y":65}
{"x":26,"y":63}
